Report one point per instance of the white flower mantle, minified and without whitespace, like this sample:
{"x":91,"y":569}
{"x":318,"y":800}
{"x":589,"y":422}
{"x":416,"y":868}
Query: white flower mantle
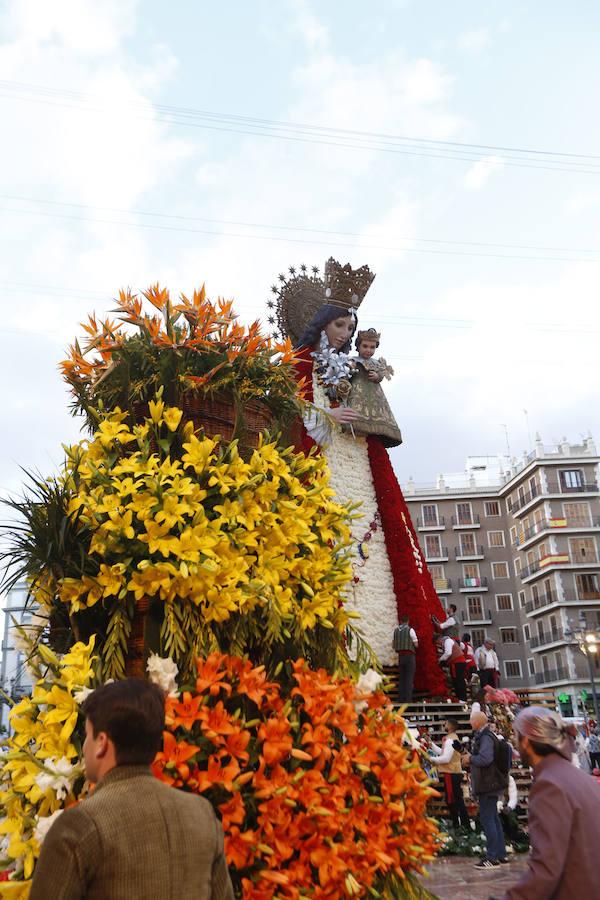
{"x":373,"y":596}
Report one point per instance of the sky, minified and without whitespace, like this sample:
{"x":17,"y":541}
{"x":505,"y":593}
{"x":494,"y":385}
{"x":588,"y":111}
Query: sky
{"x":138,"y":145}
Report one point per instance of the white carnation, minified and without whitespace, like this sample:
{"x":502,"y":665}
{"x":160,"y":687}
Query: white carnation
{"x":369,"y":682}
{"x":163,"y":671}
{"x":43,"y":825}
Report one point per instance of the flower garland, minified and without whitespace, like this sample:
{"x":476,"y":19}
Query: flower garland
{"x":415,"y":593}
{"x":362,"y":545}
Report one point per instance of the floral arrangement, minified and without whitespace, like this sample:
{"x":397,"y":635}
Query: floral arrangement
{"x":503,"y":703}
{"x":245,"y":556}
{"x":318,"y":792}
{"x":41,"y":770}
{"x":193,"y":345}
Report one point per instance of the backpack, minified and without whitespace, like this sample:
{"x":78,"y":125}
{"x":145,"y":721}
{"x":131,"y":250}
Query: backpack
{"x":502,"y":755}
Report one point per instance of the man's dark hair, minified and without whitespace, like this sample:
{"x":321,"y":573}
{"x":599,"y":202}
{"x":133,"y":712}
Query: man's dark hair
{"x":452,"y":607}
{"x":466,"y":637}
{"x":453,"y":724}
{"x":404,"y":618}
{"x":132,"y":713}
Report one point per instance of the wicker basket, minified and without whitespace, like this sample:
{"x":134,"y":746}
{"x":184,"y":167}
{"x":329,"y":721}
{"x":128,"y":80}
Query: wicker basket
{"x":135,"y":662}
{"x":216,"y":414}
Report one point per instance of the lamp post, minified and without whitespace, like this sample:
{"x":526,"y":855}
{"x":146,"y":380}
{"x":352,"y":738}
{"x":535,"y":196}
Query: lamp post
{"x":587,"y":641}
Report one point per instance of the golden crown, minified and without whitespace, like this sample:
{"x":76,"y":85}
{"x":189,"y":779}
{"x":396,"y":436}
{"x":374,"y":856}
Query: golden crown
{"x":369,"y":334}
{"x":344,"y":286}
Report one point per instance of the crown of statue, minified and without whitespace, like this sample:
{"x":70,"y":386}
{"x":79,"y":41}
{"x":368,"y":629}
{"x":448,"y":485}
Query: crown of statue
{"x":344,"y":286}
{"x":369,"y":334}
{"x":300,"y":296}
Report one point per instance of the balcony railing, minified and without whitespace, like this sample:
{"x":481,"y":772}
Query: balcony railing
{"x":468,"y":552}
{"x":436,"y":553}
{"x":431,"y":523}
{"x":553,"y":559}
{"x":442,"y":584}
{"x":586,"y":487}
{"x":556,"y":524}
{"x":541,"y":601}
{"x":472,"y":617}
{"x":523,"y":499}
{"x":551,"y":675}
{"x":473,"y":584}
{"x":546,"y":637}
{"x":466,"y":521}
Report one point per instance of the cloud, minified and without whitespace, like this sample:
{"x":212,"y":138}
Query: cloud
{"x":481,"y":171}
{"x":475,"y":40}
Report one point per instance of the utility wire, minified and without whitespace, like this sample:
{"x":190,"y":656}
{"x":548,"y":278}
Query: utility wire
{"x":291,"y":240}
{"x":553,"y":161}
{"x":299,"y":228}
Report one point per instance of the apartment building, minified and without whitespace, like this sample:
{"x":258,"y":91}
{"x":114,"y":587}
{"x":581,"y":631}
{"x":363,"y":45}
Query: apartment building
{"x":514,"y":544}
{"x":15,"y":677}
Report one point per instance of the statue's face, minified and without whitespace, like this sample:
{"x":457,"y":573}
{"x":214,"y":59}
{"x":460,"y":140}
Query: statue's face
{"x":339,"y":331}
{"x":367,"y":349}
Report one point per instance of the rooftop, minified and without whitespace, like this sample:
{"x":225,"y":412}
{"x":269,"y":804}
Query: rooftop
{"x":487,"y":474}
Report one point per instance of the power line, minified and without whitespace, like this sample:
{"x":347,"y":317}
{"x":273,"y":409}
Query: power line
{"x":315,"y":134}
{"x":292,"y":240}
{"x":277,"y":227}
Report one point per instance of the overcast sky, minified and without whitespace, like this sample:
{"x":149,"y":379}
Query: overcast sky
{"x":113,"y":174}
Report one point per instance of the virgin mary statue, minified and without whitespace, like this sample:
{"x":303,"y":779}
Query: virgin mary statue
{"x":390,"y":575}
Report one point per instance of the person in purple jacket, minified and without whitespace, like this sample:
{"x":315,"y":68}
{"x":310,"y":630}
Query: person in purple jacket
{"x":564,"y":813}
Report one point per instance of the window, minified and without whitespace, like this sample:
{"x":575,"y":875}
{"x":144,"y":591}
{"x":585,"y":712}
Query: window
{"x":504,"y":602}
{"x":533,"y":487}
{"x":508,"y":635}
{"x":496,"y":538}
{"x":430,"y":514}
{"x":467,"y":544}
{"x":477,"y":636}
{"x":517,"y":565}
{"x":499,"y":570}
{"x":433,"y":546}
{"x":463,"y":514}
{"x":527,"y":632}
{"x":583,"y":550}
{"x":571,"y":479}
{"x":471,"y":575}
{"x":558,"y":661}
{"x":587,"y":587}
{"x":492,"y":508}
{"x":512,"y":668}
{"x":531,"y":666}
{"x":522,"y":599}
{"x":577,"y":514}
{"x":475,"y":608}
{"x":513,"y":535}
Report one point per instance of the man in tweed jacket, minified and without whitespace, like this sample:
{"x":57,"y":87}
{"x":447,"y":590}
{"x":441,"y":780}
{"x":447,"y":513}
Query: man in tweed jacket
{"x":135,"y":838}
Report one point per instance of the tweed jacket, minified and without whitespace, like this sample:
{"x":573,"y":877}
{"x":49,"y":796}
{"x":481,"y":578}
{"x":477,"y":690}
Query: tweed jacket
{"x":564,"y":824}
{"x":135,"y":838}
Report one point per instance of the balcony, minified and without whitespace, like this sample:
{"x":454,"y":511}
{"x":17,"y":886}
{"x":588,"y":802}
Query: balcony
{"x":437,"y":554}
{"x":474,"y":617}
{"x":468,"y":552}
{"x":551,"y":561}
{"x":556,"y":524}
{"x":544,"y":638}
{"x":431,"y":524}
{"x":545,"y":600}
{"x":550,"y":675}
{"x":472,"y":584}
{"x":523,"y":499}
{"x":586,"y":487}
{"x":442,"y":585}
{"x":465,"y":522}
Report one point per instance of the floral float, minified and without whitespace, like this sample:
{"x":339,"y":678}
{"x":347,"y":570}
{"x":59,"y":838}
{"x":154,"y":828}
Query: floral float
{"x":221,"y":568}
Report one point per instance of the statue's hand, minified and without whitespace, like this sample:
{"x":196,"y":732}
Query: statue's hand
{"x":343,"y":415}
{"x":374,"y":376}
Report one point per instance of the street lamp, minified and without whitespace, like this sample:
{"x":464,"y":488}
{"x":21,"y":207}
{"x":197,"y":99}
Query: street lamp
{"x":588,"y":642}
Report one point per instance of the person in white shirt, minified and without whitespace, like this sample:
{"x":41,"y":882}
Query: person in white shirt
{"x":452,"y":654}
{"x":488,"y":664}
{"x":447,"y":760}
{"x":449,"y":626}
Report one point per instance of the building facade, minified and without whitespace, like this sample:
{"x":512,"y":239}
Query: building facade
{"x":514,"y":544}
{"x":15,"y":678}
